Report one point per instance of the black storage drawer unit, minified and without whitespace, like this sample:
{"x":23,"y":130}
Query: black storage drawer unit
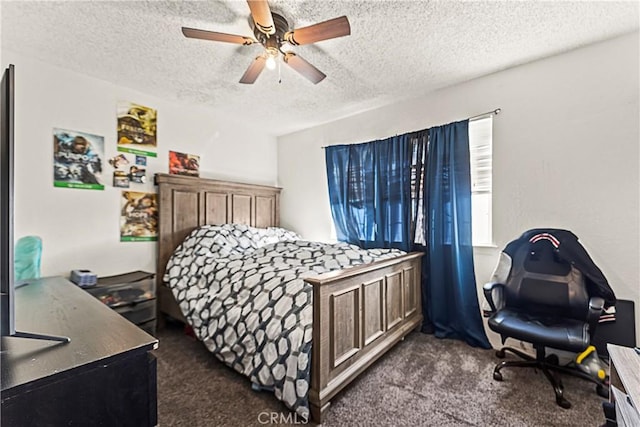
{"x":133,"y":295}
{"x":124,"y":289}
{"x":138,"y":312}
{"x":149,"y":327}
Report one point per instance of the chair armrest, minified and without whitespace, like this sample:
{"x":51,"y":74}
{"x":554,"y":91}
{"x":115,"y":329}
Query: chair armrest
{"x":596,"y":305}
{"x":488,"y":289}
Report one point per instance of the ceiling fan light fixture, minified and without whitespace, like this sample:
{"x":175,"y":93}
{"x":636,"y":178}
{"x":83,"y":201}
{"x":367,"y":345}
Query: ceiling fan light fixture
{"x":271,"y":63}
{"x":271,"y":56}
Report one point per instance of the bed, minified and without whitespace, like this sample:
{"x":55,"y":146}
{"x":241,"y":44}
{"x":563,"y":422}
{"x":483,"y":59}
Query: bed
{"x":358,"y":313}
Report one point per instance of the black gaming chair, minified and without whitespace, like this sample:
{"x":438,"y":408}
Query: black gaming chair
{"x":543,"y":301}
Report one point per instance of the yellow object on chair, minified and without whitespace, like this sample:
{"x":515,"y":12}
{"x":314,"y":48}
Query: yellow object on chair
{"x":588,"y":362}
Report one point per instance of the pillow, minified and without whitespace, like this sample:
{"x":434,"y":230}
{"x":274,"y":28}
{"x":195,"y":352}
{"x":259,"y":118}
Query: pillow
{"x":267,"y":236}
{"x":222,"y":241}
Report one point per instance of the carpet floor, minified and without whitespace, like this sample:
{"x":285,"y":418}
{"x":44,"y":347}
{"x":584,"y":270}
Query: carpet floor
{"x":422,"y":381}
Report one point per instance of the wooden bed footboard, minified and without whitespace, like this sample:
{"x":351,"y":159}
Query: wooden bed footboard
{"x":358,"y":314}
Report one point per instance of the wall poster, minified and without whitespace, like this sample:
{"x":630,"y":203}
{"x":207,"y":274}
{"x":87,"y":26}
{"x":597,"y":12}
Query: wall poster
{"x":120,"y":176}
{"x":77,"y":159}
{"x":137,"y":129}
{"x":138,"y":217}
{"x":184,"y":164}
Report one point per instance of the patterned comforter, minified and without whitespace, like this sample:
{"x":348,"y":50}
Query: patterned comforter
{"x":242,"y":290}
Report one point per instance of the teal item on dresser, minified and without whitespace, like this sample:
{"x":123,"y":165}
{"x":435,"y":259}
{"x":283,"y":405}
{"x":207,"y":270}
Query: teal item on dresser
{"x":27,"y":257}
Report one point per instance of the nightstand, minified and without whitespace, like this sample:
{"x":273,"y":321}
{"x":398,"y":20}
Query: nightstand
{"x":624,"y":364}
{"x":132,"y":295}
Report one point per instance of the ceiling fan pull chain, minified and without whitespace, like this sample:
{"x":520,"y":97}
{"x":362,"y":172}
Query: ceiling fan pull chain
{"x":279,"y":73}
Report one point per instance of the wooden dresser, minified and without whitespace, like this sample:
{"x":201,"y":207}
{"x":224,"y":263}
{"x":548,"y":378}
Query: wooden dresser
{"x":105,"y":376}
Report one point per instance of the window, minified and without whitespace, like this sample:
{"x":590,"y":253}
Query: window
{"x":360,"y":188}
{"x":480,"y":142}
{"x":419,"y":143}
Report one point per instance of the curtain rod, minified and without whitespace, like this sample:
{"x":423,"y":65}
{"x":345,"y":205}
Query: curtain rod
{"x":492,"y":112}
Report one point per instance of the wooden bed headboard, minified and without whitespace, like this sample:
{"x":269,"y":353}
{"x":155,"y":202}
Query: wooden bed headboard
{"x":187,"y":202}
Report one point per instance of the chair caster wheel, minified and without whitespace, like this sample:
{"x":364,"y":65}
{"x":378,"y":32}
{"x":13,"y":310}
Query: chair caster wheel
{"x":602,"y":391}
{"x":500,"y":354}
{"x":497,"y":376}
{"x":563,"y":403}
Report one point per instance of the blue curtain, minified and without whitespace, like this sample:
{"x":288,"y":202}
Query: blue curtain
{"x":370,"y":192}
{"x":451,"y":301}
{"x":376,"y":203}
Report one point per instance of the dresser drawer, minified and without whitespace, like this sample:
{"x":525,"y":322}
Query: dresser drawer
{"x":124,"y":294}
{"x":139,"y":312}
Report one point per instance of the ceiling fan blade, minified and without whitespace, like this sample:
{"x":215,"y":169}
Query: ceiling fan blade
{"x":330,"y":29}
{"x":254,"y":70}
{"x":216,"y":37}
{"x":262,"y":16}
{"x":303,"y":67}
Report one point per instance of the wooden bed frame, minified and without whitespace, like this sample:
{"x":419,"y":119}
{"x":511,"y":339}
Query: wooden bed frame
{"x":358,"y":313}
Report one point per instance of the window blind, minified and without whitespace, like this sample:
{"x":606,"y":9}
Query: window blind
{"x":480,"y":137}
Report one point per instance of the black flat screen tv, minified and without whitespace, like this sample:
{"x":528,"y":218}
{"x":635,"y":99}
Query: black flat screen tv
{"x":7,"y":314}
{"x":7,"y":276}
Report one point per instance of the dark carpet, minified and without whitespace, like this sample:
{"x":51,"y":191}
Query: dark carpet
{"x":423,"y":381}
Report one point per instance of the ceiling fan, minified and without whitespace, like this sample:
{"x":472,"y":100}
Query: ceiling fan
{"x":272,"y":31}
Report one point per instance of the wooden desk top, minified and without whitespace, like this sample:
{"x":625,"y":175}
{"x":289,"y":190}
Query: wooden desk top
{"x":55,"y":306}
{"x":627,"y":365}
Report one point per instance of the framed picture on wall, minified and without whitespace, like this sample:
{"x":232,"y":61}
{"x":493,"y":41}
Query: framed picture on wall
{"x":138,"y":216}
{"x":120,"y":179}
{"x":137,"y":129}
{"x":77,"y":159}
{"x":137,"y":174}
{"x":184,"y":164}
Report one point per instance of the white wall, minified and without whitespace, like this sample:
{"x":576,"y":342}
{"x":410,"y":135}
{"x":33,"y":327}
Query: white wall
{"x":80,"y":228}
{"x":565,"y":154}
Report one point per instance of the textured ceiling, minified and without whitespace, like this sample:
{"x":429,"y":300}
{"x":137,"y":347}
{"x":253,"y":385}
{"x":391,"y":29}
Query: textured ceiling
{"x":396,"y":50}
